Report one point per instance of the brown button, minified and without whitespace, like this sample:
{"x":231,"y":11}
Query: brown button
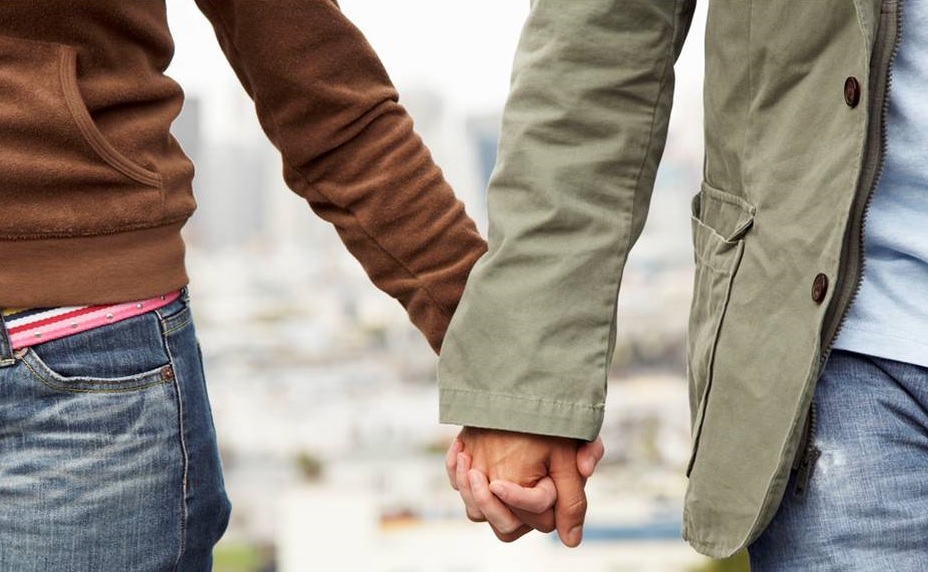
{"x":851,"y":91}
{"x":819,"y":288}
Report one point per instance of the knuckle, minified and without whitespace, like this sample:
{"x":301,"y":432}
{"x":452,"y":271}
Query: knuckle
{"x":475,"y":517}
{"x":506,"y":529}
{"x":542,"y":522}
{"x":576,"y":512}
{"x":542,"y":506}
{"x":502,"y":536}
{"x":507,"y":536}
{"x":545,"y":527}
{"x":576,"y":508}
{"x":461,"y":485}
{"x":481,"y":495}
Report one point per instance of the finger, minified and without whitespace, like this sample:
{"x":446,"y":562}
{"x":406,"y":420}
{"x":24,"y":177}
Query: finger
{"x":532,"y":505}
{"x":463,"y":482}
{"x":451,"y":462}
{"x":473,"y":511}
{"x":570,"y":507}
{"x":544,"y":522}
{"x":498,"y":516}
{"x":536,"y":499}
{"x":512,"y":536}
{"x":588,"y":456}
{"x":541,"y":499}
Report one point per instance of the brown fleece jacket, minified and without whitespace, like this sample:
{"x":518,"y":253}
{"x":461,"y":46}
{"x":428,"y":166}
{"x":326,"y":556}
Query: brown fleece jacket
{"x":94,"y":189}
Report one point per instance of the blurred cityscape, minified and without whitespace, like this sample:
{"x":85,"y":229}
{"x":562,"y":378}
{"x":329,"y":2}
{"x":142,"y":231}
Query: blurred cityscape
{"x":324,"y":396}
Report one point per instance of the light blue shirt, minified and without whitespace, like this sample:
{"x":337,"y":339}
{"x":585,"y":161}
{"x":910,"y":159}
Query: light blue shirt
{"x":889,"y":317}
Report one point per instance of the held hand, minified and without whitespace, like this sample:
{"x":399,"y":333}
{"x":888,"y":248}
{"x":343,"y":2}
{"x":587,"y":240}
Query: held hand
{"x":481,"y":505}
{"x":530,"y":473}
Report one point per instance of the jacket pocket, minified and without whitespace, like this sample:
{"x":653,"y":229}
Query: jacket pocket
{"x":720,"y":222}
{"x":89,"y":130}
{"x":62,"y":175}
{"x":45,"y":112}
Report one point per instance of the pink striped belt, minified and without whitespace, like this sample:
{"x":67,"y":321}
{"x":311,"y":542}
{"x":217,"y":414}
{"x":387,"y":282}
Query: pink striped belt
{"x":35,"y":326}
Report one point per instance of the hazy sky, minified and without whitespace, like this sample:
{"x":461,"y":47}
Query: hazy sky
{"x":461,"y":49}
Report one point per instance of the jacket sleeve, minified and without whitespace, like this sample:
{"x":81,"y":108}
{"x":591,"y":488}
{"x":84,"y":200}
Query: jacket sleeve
{"x":583,"y":131}
{"x":348,"y":147}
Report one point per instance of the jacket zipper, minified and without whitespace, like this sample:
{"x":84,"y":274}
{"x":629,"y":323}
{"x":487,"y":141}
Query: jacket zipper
{"x":881,"y":78}
{"x":852,"y":256}
{"x":804,"y":465}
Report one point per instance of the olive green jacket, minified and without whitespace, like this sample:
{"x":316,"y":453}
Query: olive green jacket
{"x":794,"y":109}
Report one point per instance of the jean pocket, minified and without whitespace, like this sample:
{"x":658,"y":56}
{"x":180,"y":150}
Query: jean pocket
{"x":128,"y":355}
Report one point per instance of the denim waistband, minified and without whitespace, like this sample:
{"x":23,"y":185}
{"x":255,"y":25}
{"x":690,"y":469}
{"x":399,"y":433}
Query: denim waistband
{"x":48,"y":325}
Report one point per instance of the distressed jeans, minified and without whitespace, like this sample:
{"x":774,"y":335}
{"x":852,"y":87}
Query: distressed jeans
{"x":108,"y":456}
{"x":866,"y":504}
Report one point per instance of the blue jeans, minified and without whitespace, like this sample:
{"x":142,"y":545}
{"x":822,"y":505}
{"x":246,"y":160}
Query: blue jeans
{"x":108,"y":456}
{"x":866,"y":505}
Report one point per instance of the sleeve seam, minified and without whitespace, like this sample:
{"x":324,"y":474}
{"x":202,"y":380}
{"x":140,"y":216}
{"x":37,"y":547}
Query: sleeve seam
{"x":547,"y":402}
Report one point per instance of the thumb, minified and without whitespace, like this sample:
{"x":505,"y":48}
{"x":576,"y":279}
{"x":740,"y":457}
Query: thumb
{"x":589,"y":455}
{"x":571,"y":504}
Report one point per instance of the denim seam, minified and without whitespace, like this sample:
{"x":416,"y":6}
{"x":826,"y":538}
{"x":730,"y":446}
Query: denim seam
{"x":173,"y":322}
{"x":170,"y":329}
{"x":182,"y":544}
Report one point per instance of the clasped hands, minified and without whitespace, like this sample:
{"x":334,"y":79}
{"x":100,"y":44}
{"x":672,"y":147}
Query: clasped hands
{"x":518,"y":482}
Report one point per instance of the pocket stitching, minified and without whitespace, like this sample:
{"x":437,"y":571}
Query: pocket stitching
{"x":50,"y":378}
{"x":702,"y":258}
{"x":175,"y":321}
{"x":89,"y":130}
{"x":734,"y":200}
{"x":700,"y":413}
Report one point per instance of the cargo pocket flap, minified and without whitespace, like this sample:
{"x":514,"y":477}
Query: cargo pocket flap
{"x":728,"y":215}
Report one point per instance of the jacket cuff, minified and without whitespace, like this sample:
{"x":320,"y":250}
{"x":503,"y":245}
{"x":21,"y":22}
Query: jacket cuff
{"x":510,"y":413}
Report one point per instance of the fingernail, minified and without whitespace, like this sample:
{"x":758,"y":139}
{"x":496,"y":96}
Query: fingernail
{"x":474,"y":479}
{"x":462,"y":462}
{"x":497,"y":489}
{"x":575,"y":535}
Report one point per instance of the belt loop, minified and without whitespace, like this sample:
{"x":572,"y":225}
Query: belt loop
{"x":6,"y":349}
